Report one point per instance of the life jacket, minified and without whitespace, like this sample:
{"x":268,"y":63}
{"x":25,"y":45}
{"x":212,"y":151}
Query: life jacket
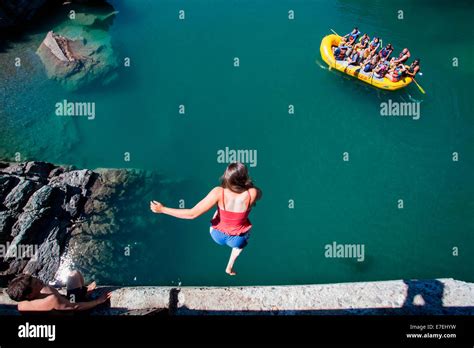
{"x":385,"y":52}
{"x":364,"y":41}
{"x":354,"y":36}
{"x":374,"y":45}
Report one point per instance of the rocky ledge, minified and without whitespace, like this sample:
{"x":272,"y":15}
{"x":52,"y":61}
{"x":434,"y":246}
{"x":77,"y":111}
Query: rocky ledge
{"x":59,"y":211}
{"x":395,"y":297}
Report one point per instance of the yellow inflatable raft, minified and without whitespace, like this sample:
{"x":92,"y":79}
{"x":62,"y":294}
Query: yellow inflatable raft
{"x":384,"y":83}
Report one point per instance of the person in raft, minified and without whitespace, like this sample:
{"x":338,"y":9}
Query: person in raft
{"x":230,"y":224}
{"x":402,"y":58}
{"x":352,"y":36}
{"x":33,"y":295}
{"x":413,"y":69}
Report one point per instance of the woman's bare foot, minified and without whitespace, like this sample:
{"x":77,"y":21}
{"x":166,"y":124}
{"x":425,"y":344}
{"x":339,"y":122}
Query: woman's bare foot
{"x":230,"y":271}
{"x":91,"y":286}
{"x":230,"y":265}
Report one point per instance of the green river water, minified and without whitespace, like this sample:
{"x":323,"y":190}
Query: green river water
{"x":299,"y":156}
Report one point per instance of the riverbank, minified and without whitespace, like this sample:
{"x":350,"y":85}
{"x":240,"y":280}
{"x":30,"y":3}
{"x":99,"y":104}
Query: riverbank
{"x":397,"y":297}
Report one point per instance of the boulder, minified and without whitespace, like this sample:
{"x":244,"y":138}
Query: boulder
{"x":75,"y":178}
{"x":101,"y":191}
{"x":19,"y":195}
{"x":73,"y":207}
{"x":58,"y":170}
{"x":28,"y":223}
{"x":7,"y":182}
{"x":15,"y":266}
{"x":47,"y":259}
{"x":41,"y":169}
{"x":40,"y":199}
{"x":6,"y":223}
{"x":15,"y":169}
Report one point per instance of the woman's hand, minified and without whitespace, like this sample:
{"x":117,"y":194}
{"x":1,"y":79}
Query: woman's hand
{"x":156,"y":207}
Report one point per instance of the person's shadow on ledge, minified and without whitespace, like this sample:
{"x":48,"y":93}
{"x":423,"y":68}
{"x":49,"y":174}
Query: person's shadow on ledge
{"x":424,"y":297}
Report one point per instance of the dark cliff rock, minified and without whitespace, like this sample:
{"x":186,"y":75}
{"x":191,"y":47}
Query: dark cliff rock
{"x":17,"y":12}
{"x":14,"y":12}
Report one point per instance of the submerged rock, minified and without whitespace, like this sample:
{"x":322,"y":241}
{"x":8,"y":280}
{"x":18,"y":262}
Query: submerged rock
{"x":19,"y":195}
{"x":41,"y":169}
{"x":78,"y":55}
{"x":74,"y":178}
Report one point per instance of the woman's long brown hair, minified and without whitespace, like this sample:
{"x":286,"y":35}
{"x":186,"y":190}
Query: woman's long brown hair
{"x":236,"y":178}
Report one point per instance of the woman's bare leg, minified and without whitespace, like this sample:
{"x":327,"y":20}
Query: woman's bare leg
{"x":233,"y":256}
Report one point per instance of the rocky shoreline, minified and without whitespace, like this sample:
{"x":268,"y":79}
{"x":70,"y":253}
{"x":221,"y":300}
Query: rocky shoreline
{"x":64,"y":212}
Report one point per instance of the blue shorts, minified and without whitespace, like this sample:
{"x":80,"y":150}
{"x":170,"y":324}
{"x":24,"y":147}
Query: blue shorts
{"x":238,"y":242}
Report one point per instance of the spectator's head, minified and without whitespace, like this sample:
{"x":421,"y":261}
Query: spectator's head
{"x":24,"y":287}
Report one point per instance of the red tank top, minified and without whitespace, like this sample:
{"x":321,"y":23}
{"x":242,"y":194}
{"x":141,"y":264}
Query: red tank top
{"x":232,"y":223}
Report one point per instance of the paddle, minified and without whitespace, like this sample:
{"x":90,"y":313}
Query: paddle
{"x":419,"y":87}
{"x":335,"y":32}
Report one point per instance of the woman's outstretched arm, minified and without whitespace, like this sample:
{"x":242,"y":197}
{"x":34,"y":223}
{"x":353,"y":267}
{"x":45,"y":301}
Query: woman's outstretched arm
{"x":203,"y":206}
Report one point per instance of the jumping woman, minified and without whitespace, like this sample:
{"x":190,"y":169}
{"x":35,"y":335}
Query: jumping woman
{"x":234,"y":198}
